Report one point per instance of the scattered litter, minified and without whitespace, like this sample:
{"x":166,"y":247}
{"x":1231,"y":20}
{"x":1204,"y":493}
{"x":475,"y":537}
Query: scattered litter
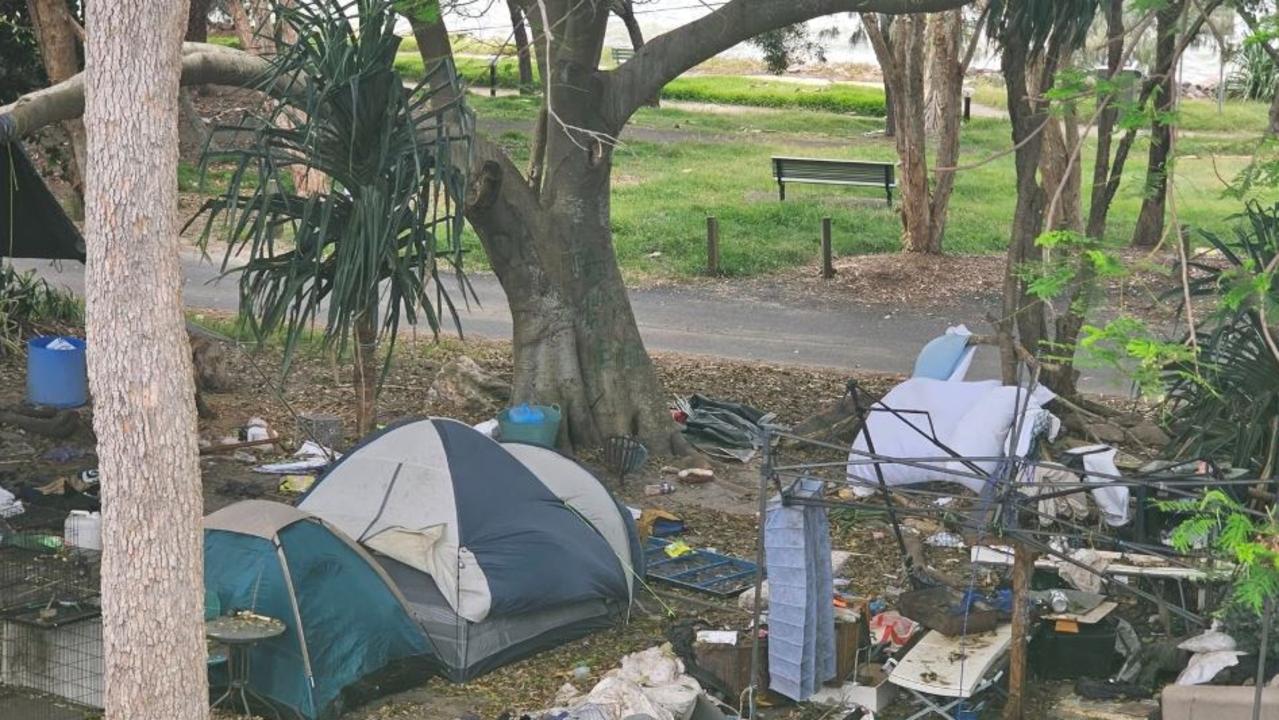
{"x":63,"y":454}
{"x":296,"y":484}
{"x":1204,"y":666}
{"x":311,"y":456}
{"x":60,"y":343}
{"x":581,"y":672}
{"x":488,"y":428}
{"x":10,"y":506}
{"x":664,"y":488}
{"x":700,"y":570}
{"x":726,"y":430}
{"x":892,"y":628}
{"x":945,"y":540}
{"x":942,"y":502}
{"x":659,"y":523}
{"x":696,"y":476}
{"x":717,"y":637}
{"x":257,"y":430}
{"x":679,"y":548}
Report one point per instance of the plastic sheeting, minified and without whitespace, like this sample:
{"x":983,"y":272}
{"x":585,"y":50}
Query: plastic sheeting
{"x":919,"y":416}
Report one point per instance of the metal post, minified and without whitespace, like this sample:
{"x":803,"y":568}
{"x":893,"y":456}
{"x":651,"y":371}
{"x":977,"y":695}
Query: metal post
{"x":828,"y":265}
{"x":493,"y":78}
{"x":758,"y":609}
{"x":712,"y":246}
{"x":968,"y":107}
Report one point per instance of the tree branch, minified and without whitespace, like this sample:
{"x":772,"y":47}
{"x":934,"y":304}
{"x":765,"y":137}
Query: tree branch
{"x":1250,"y":19}
{"x":202,"y":64}
{"x":669,"y":55}
{"x":979,"y":31}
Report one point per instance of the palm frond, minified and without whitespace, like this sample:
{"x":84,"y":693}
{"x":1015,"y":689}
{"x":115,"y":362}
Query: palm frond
{"x":395,"y":156}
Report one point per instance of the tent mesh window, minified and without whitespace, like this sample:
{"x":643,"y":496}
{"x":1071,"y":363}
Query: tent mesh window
{"x":50,"y":627}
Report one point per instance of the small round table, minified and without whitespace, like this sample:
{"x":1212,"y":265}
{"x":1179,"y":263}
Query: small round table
{"x":240,"y":634}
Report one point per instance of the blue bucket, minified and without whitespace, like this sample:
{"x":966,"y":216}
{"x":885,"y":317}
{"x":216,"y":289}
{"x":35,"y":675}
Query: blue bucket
{"x":56,"y":378}
{"x":533,"y":424}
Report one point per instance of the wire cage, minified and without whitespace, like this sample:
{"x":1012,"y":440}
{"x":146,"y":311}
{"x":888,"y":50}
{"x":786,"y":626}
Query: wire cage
{"x":50,"y":623}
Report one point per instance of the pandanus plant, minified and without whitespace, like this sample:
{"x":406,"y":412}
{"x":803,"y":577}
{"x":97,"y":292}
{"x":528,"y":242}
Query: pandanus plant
{"x":363,"y":256}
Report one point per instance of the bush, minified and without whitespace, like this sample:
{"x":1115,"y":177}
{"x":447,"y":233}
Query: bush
{"x":1226,"y":407}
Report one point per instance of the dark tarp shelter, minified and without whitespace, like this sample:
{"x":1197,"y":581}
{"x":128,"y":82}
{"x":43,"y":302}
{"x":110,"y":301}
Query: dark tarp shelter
{"x":32,"y":222}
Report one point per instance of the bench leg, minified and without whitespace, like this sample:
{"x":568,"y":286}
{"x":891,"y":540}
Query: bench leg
{"x":889,"y":191}
{"x":781,"y":191}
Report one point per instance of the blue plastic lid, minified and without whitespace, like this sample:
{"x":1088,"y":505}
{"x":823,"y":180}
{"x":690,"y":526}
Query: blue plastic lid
{"x":526,"y":414}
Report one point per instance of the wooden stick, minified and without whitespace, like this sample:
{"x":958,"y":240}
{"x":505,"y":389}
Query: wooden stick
{"x":1023,"y":570}
{"x":828,"y":264}
{"x":236,"y":446}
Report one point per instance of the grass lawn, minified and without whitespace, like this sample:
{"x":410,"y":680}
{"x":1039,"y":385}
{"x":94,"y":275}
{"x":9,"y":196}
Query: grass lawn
{"x":663,"y":192}
{"x":665,"y":186}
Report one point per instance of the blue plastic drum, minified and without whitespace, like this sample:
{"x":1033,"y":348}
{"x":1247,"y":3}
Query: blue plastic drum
{"x":56,"y":377}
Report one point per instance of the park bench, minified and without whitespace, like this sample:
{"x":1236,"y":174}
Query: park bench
{"x":622,"y":54}
{"x":834,"y":172}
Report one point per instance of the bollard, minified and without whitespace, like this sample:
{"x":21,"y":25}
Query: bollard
{"x":712,"y":246}
{"x":493,"y":79}
{"x":828,"y":261}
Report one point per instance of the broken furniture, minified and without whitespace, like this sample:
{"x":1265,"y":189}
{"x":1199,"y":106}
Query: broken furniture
{"x":698,"y":570}
{"x":945,"y":673}
{"x":239,"y":634}
{"x":51,"y":655}
{"x":834,"y":172}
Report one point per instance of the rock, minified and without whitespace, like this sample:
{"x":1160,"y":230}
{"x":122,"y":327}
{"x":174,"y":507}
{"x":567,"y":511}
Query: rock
{"x":1148,"y":433}
{"x":465,"y":388}
{"x":1107,"y":432}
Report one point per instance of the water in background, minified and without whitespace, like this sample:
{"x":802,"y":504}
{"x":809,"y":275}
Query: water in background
{"x":492,"y":21}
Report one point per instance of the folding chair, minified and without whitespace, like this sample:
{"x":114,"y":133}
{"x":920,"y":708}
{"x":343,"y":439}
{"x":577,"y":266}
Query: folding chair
{"x":942,"y":673}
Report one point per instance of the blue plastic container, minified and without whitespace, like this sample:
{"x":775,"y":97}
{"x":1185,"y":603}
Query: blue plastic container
{"x":56,"y":378}
{"x":533,"y":424}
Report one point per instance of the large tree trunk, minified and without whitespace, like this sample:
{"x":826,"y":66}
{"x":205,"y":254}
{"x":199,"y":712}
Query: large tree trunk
{"x":520,"y":32}
{"x":140,"y":367}
{"x":1023,"y":319}
{"x":1150,"y":223}
{"x":56,"y":37}
{"x":198,"y":21}
{"x":1059,"y":167}
{"x":365,"y":372}
{"x":902,"y":64}
{"x":575,"y":341}
{"x":1108,"y":115}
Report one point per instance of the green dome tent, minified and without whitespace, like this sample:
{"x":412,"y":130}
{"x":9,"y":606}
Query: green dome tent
{"x":345,"y":620}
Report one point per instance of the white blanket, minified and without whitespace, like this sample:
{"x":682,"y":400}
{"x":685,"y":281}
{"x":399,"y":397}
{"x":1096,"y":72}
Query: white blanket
{"x":973,"y":419}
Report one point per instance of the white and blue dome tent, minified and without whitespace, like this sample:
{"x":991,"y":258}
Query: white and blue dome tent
{"x":344,"y":620}
{"x":501,"y":551}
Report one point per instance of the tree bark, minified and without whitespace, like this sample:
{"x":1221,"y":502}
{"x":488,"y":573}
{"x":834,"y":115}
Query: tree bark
{"x":945,"y":33}
{"x":365,"y":371}
{"x":1023,"y":319}
{"x":198,"y":21}
{"x":1150,"y":223}
{"x":1023,"y":572}
{"x":140,"y":369}
{"x":520,"y":32}
{"x":1059,"y":168}
{"x":1108,"y":115}
{"x":52,"y":23}
{"x":625,"y":11}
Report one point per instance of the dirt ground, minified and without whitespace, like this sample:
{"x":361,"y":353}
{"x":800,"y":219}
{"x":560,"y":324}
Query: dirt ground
{"x":721,"y":514}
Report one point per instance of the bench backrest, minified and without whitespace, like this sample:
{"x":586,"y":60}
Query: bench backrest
{"x":851,"y":171}
{"x":622,"y":54}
